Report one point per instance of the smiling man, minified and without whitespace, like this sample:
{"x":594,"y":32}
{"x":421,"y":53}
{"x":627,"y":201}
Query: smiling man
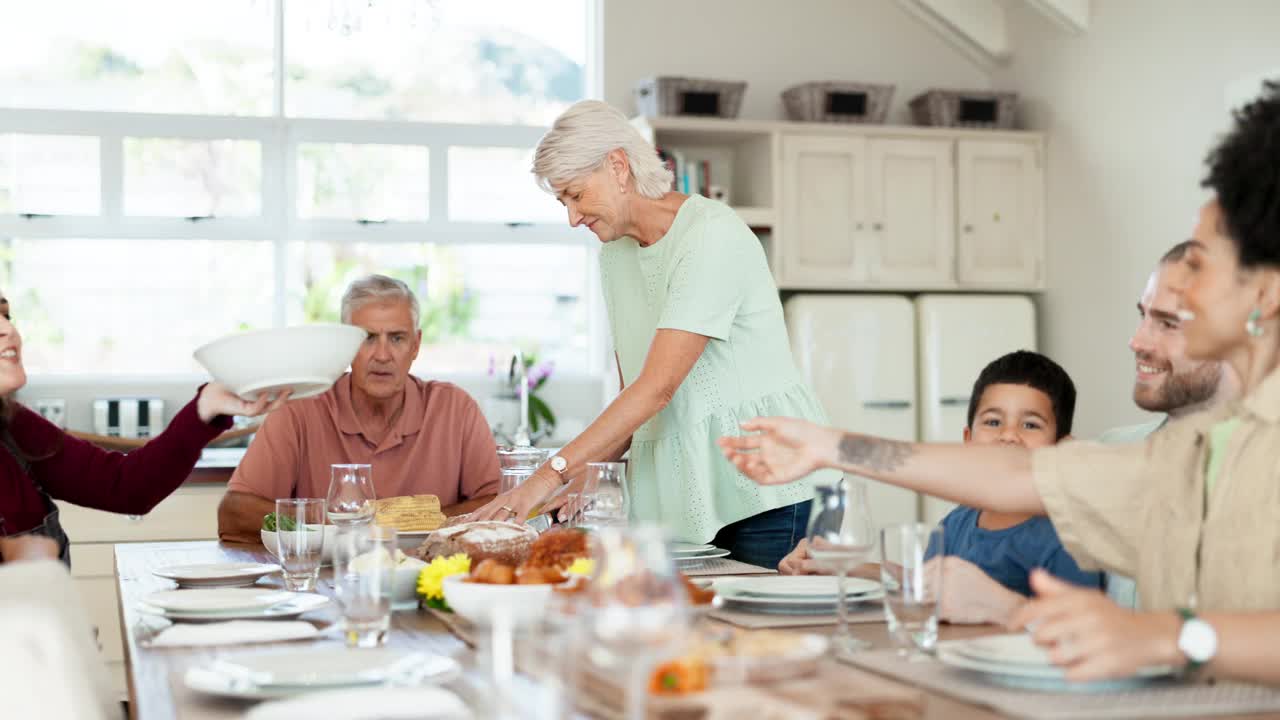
{"x":420,"y":437}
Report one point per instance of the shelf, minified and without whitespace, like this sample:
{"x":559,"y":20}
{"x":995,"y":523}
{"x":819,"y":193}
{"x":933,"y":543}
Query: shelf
{"x":756,"y":217}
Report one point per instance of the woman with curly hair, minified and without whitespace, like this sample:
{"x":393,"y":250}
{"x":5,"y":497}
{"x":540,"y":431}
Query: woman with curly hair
{"x":1193,"y":513}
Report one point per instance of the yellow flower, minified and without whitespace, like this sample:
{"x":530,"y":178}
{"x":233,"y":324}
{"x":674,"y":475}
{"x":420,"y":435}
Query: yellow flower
{"x":431,"y":579}
{"x":582,"y":566}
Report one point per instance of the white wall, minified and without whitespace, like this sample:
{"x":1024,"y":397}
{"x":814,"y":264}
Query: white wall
{"x":773,"y":44}
{"x":1131,"y":107}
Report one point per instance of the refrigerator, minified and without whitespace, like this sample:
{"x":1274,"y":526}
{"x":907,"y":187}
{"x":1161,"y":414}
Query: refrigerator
{"x":902,"y":368}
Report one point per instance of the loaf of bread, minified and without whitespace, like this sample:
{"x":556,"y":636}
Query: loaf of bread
{"x":508,"y":543}
{"x":409,"y":513}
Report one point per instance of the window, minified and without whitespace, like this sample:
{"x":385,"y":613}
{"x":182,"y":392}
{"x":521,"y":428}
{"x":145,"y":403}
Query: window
{"x":236,"y":193}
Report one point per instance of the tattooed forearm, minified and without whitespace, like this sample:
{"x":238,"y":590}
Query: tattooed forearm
{"x":874,"y":454}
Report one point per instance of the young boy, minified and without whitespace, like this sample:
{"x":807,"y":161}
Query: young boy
{"x":1026,"y":399}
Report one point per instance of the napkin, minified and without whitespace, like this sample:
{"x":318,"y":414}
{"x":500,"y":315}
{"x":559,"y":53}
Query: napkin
{"x":234,"y":632}
{"x":380,"y":703}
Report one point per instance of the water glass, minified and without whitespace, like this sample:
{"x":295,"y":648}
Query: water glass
{"x":517,"y":463}
{"x":364,"y":565}
{"x":300,"y":549}
{"x":604,"y":497}
{"x":351,"y":496}
{"x":912,"y":585}
{"x":841,"y":537}
{"x":638,"y":610}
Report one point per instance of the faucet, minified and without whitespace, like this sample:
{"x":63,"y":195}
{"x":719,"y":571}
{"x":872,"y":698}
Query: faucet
{"x":521,"y":375}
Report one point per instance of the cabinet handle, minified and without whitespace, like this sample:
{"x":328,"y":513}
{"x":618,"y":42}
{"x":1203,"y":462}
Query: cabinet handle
{"x":954,"y":400}
{"x":968,"y":228}
{"x":886,"y":404}
{"x":858,"y":226}
{"x":877,"y":227}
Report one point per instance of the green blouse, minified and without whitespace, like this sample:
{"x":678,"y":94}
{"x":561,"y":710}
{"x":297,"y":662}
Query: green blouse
{"x":707,"y":275}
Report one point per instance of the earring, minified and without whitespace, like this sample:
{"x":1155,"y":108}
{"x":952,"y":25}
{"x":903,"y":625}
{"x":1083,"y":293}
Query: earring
{"x":1251,"y":325}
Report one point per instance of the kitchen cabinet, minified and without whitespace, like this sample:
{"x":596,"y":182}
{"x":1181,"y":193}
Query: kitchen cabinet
{"x":877,"y":207}
{"x":1000,"y":185}
{"x":824,"y":191}
{"x":911,"y":194}
{"x":190,"y":513}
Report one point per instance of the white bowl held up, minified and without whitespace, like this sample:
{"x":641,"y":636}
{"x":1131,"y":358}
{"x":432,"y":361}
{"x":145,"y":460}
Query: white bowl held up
{"x":480,"y":602}
{"x":305,"y":358}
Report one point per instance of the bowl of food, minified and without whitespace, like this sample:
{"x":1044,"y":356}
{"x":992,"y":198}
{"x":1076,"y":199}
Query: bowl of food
{"x":269,"y":528}
{"x":305,"y":359}
{"x":481,"y":602}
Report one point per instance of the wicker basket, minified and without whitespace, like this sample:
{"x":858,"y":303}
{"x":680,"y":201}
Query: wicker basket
{"x":839,"y":102}
{"x":965,"y":108}
{"x":689,"y":96}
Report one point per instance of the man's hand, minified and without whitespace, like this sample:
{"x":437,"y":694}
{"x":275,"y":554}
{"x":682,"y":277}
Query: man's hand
{"x":785,"y":449}
{"x":215,"y":399}
{"x":1091,"y":636}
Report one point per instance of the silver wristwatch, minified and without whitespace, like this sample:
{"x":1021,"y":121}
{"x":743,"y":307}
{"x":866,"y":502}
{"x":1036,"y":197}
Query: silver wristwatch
{"x":1197,"y":640}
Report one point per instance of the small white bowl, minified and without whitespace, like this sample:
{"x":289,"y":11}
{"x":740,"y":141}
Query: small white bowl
{"x":330,"y":535}
{"x":305,"y":358}
{"x":404,"y":584}
{"x":479,"y":602}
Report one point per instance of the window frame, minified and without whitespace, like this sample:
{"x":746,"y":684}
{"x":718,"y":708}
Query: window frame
{"x":278,"y":223}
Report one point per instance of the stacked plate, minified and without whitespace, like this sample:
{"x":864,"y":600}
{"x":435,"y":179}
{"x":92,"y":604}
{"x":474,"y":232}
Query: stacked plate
{"x":1016,"y":661}
{"x":217,"y":575}
{"x":220,"y":604}
{"x":261,"y":676}
{"x":793,"y":595}
{"x":689,"y":555}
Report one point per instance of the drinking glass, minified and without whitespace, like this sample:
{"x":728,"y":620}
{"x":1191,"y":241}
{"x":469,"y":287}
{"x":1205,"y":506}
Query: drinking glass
{"x":517,"y":463}
{"x":912,"y":585}
{"x":300,"y":549}
{"x":364,"y":565}
{"x":604,"y":496}
{"x":638,"y":606}
{"x":351,"y":497}
{"x":841,"y":537}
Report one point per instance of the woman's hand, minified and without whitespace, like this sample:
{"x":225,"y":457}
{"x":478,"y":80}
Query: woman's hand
{"x":785,"y":449}
{"x":28,"y":547}
{"x":1091,"y":636}
{"x":970,"y":596}
{"x":515,"y":504}
{"x":215,"y":399}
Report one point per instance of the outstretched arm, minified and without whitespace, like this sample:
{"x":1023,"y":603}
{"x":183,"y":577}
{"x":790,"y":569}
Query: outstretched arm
{"x":990,"y":477}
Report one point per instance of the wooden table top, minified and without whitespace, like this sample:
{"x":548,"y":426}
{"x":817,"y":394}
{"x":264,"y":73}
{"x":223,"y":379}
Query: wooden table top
{"x":157,"y":692}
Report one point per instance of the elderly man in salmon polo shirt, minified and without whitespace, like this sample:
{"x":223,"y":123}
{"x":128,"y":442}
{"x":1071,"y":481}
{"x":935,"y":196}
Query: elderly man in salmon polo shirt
{"x":419,"y":436}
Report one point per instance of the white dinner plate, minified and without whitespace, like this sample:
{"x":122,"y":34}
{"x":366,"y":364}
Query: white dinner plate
{"x":728,"y":588}
{"x":216,"y":600}
{"x":1037,"y":677}
{"x":803,"y":587}
{"x":214,"y":575}
{"x":295,"y":672}
{"x":708,"y":555}
{"x":294,"y":604}
{"x":422,"y":703}
{"x":679,"y":549}
{"x":1011,"y":649}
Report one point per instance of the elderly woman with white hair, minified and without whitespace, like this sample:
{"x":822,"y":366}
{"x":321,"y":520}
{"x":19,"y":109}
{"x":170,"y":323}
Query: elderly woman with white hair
{"x":699,"y":339}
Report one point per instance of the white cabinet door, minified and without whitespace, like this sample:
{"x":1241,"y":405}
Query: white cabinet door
{"x":911,"y":184}
{"x":958,"y":335}
{"x":858,"y":354}
{"x":1001,"y":241}
{"x":823,"y":211}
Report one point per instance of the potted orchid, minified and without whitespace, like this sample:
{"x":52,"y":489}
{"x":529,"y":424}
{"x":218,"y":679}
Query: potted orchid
{"x":542,"y":420}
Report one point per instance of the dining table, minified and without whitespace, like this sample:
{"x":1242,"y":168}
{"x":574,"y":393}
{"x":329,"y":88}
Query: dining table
{"x":835,"y":690}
